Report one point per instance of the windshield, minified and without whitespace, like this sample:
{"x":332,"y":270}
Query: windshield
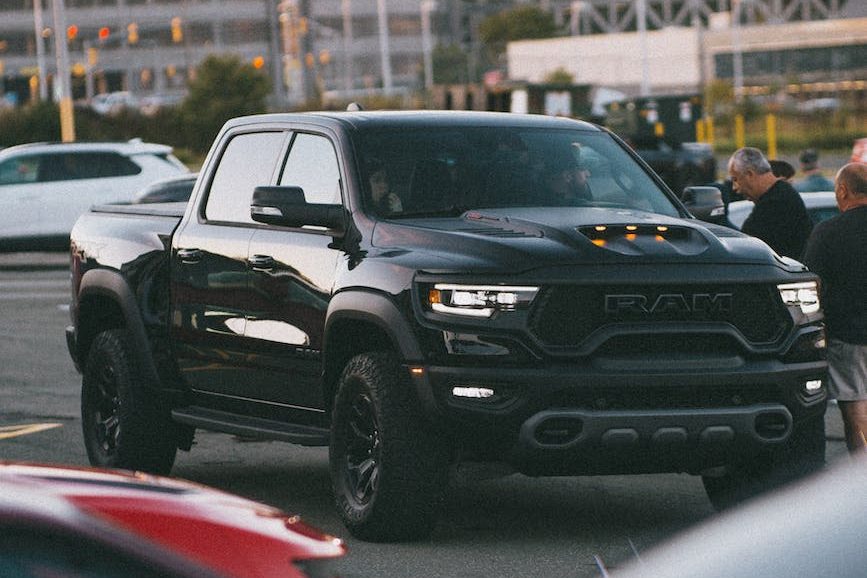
{"x":446,"y":172}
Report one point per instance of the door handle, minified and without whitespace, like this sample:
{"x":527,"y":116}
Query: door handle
{"x":190,"y":256}
{"x":261,"y":262}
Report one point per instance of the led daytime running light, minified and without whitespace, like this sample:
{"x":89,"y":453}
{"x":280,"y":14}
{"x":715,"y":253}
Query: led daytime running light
{"x":802,"y":295}
{"x":479,"y":300}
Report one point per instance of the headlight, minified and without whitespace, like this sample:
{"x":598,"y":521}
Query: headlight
{"x":478,"y":300}
{"x":803,"y":295}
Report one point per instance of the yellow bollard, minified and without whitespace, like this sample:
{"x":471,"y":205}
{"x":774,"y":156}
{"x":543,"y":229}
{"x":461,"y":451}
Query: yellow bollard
{"x":699,"y":130}
{"x":67,"y":121}
{"x":771,"y":126}
{"x":740,"y":138}
{"x":710,"y":136}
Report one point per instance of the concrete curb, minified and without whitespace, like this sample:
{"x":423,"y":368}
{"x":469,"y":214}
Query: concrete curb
{"x":36,"y":261}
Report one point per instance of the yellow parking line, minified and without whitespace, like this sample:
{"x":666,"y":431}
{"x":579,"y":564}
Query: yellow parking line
{"x":12,"y":431}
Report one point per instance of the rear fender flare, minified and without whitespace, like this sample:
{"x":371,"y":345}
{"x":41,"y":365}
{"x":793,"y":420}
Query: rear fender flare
{"x":112,"y":285}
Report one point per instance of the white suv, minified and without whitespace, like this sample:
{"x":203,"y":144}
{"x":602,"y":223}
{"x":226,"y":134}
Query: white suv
{"x":44,"y":187}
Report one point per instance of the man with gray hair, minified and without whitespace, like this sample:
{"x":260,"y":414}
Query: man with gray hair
{"x":837,"y":252}
{"x":779,"y":217}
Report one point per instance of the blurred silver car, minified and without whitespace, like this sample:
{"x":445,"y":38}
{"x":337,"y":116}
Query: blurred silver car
{"x":815,"y":528}
{"x":170,"y":190}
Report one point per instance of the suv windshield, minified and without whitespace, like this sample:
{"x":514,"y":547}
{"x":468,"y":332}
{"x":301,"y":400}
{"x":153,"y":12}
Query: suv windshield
{"x":444,"y":172}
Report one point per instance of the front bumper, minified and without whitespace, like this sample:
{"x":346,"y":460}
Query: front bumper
{"x":587,"y":419}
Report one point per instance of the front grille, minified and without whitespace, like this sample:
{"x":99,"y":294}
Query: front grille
{"x":660,"y":398}
{"x":564,"y":316}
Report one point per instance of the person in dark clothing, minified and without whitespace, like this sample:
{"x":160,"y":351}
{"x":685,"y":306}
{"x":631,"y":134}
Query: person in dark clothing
{"x":782,"y":169}
{"x":837,"y":252}
{"x":779,"y":217}
{"x":564,"y":183}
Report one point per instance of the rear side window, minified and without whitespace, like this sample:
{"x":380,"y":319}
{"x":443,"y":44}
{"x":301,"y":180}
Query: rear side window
{"x":85,"y":165}
{"x":248,"y":161}
{"x":19,"y":170}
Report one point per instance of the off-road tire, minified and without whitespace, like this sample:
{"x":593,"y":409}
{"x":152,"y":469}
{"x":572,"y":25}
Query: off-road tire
{"x":123,"y":424}
{"x":802,"y":455}
{"x":388,"y":469}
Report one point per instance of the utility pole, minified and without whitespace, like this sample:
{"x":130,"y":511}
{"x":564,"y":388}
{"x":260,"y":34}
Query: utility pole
{"x":67,"y":122}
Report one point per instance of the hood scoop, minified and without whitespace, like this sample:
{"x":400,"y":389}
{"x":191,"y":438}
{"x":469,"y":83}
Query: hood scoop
{"x":646,"y":239}
{"x":497,"y":227}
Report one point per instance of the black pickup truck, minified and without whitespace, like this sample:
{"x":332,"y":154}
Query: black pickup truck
{"x":421,"y":290}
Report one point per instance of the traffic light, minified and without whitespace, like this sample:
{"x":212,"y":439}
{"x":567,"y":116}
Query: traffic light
{"x":71,"y":32}
{"x":132,"y":33}
{"x":258,"y":62}
{"x":177,"y":30}
{"x":104,"y":33}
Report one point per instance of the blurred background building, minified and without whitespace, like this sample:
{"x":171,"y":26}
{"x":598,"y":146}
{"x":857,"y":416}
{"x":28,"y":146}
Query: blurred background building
{"x":338,"y":48}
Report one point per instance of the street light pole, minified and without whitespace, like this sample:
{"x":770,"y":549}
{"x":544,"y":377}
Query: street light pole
{"x":426,"y":44}
{"x":737,"y":57}
{"x":67,"y":122}
{"x":384,"y":46}
{"x":346,"y":6}
{"x":641,"y":18}
{"x":39,"y":29}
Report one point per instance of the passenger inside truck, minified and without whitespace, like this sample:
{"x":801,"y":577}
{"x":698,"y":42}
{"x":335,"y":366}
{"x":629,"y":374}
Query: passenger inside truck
{"x":442,"y":173}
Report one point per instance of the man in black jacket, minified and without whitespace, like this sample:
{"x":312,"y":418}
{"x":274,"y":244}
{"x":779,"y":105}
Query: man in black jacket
{"x":837,"y":252}
{"x":779,"y":217}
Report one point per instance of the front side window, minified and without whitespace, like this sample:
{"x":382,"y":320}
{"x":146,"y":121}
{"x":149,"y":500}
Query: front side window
{"x":444,"y":172}
{"x":312,"y":165}
{"x":248,"y":161}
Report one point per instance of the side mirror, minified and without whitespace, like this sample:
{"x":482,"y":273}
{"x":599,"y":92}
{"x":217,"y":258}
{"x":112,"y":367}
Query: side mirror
{"x":705,"y":203}
{"x":286,"y":206}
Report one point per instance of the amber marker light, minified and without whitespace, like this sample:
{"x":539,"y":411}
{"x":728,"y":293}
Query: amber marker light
{"x":631,"y":237}
{"x":599,"y":242}
{"x":416,"y":371}
{"x":434,"y":296}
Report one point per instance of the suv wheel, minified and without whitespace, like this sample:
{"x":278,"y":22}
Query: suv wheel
{"x":123,"y":424}
{"x":388,"y":469}
{"x":803,"y":454}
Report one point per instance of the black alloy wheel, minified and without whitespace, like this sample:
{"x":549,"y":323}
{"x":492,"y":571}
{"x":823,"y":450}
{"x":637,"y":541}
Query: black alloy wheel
{"x":388,"y":466}
{"x":363,"y":451}
{"x":106,"y":407}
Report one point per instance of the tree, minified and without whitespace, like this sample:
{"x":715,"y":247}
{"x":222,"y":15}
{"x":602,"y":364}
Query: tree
{"x":519,"y":23}
{"x":450,"y":65}
{"x":224,"y":87}
{"x":560,"y":76}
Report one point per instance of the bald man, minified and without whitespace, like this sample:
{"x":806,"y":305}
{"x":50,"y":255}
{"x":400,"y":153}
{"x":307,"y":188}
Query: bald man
{"x":837,"y":252}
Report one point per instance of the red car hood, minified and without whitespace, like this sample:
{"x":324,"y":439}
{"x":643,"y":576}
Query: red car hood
{"x":227,"y":533}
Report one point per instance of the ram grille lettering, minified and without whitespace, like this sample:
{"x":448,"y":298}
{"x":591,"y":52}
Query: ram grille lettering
{"x":669,"y":303}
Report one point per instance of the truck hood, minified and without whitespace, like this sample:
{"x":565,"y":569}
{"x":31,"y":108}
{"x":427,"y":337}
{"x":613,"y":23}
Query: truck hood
{"x":521,"y":239}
